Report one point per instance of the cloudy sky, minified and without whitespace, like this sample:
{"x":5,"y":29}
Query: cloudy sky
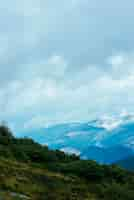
{"x":65,"y":60}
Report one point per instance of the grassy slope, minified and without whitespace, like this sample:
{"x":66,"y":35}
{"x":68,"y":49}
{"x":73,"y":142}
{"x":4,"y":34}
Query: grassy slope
{"x":27,"y":181}
{"x":42,"y":184}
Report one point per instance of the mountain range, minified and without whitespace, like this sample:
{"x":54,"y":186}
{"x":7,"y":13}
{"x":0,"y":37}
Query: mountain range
{"x":106,"y":140}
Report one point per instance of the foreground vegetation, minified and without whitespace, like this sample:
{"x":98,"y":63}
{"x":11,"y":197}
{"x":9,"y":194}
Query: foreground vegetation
{"x":31,"y":171}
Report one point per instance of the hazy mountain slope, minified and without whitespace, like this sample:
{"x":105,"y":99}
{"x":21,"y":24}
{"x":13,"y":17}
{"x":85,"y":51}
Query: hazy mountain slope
{"x":106,"y":134}
{"x":107,"y":155}
{"x":127,"y":163}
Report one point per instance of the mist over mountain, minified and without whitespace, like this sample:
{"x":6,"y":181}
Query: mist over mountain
{"x":105,"y":140}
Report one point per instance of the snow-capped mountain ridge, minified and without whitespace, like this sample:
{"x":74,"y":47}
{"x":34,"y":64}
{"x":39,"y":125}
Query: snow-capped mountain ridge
{"x":108,"y":133}
{"x":110,"y":122}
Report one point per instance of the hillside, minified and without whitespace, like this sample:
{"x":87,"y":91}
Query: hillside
{"x":31,"y":171}
{"x":23,"y":181}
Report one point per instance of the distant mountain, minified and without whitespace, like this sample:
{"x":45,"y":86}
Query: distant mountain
{"x":107,"y":155}
{"x":127,"y":163}
{"x":107,"y":139}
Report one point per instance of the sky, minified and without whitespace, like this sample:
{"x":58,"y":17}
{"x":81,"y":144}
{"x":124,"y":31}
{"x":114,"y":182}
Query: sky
{"x":65,"y":60}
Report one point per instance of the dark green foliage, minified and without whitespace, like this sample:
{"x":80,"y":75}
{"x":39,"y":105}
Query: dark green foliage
{"x":5,"y":135}
{"x":25,"y":149}
{"x":87,"y":169}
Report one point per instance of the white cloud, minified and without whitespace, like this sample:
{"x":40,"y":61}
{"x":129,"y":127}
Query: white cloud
{"x":50,"y":97}
{"x":54,"y":66}
{"x":121,"y":65}
{"x":111,"y":124}
{"x":76,"y":133}
{"x":70,"y":150}
{"x":36,"y":122}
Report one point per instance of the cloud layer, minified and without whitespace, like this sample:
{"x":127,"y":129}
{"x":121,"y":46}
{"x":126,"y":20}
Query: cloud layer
{"x":65,"y":60}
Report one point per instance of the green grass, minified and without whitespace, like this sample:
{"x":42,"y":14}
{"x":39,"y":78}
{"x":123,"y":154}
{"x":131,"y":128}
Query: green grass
{"x":38,"y":183}
{"x":28,"y":181}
